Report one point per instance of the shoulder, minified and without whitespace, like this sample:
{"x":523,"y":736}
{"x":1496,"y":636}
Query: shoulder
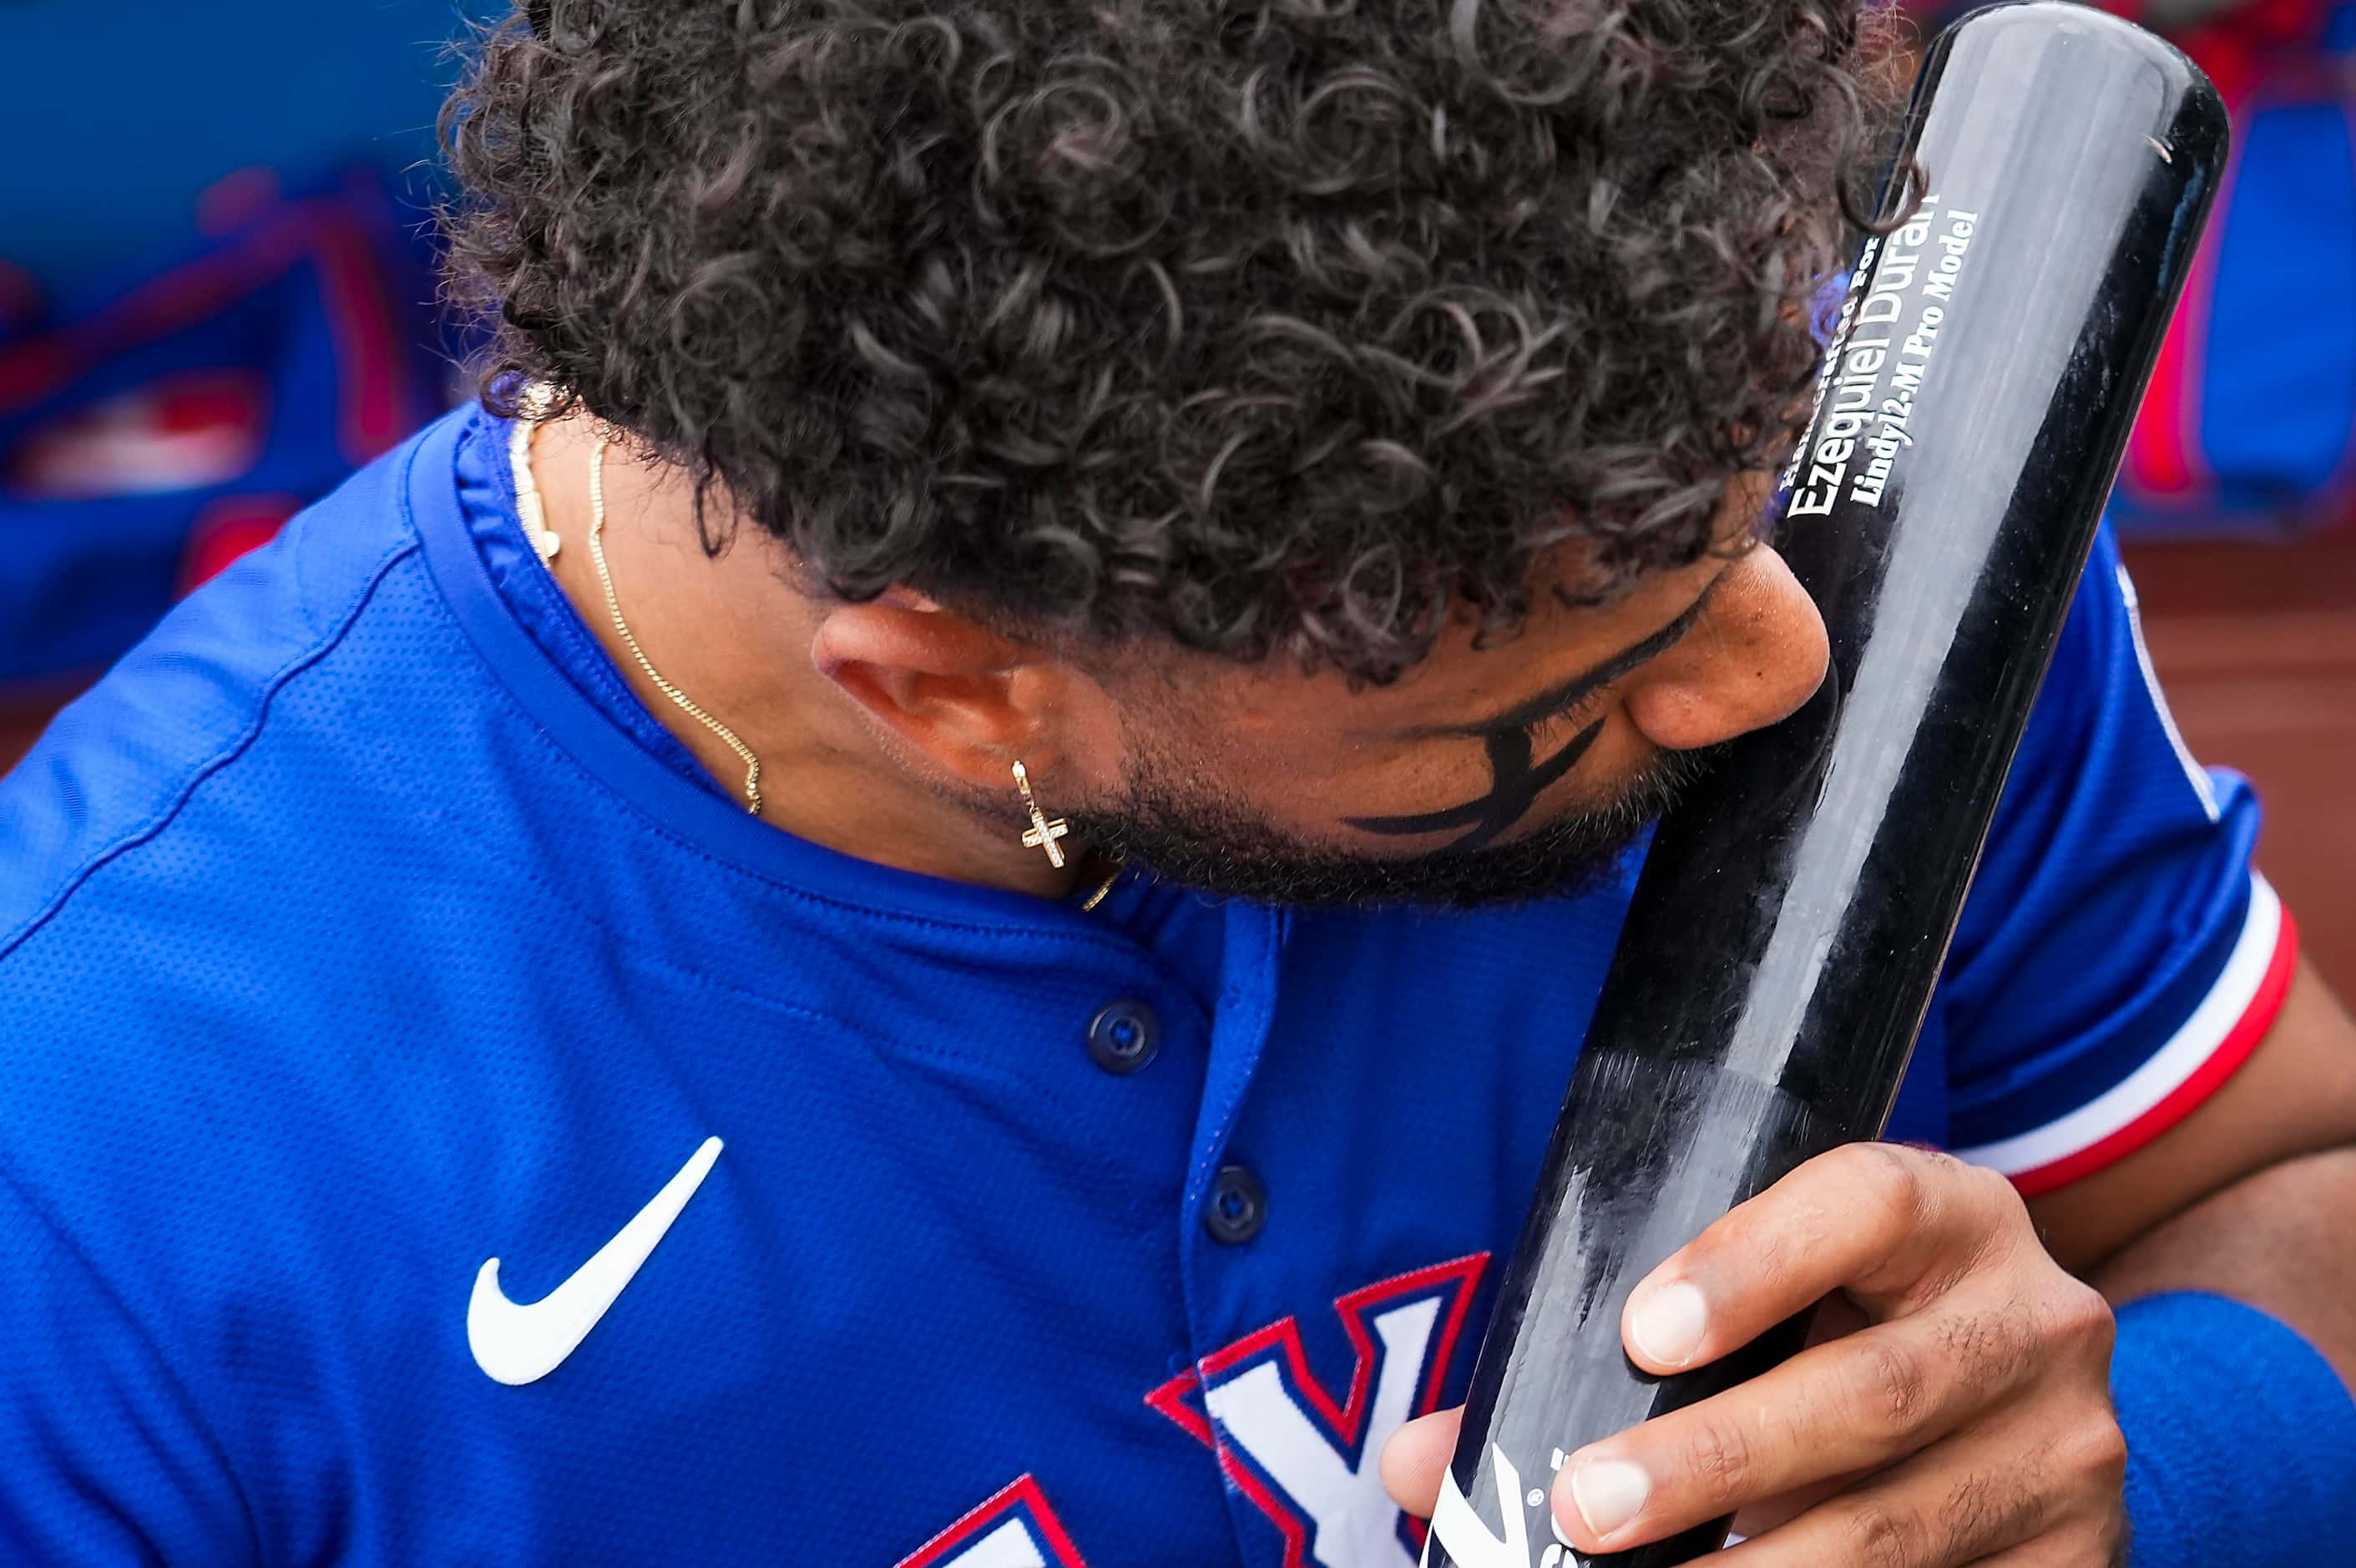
{"x":195,"y":856}
{"x":202,"y":692}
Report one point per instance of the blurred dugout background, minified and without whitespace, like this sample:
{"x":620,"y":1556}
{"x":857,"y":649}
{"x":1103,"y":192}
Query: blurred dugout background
{"x":215,"y":302}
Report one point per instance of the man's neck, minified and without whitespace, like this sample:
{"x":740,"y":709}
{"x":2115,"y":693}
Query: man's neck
{"x":733,"y":634}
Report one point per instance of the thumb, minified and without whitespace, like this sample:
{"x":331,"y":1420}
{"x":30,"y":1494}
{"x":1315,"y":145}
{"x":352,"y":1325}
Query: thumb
{"x":1414,"y":1458}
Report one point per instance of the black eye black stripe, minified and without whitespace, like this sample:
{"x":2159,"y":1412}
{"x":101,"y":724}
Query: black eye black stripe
{"x":1515,"y":787}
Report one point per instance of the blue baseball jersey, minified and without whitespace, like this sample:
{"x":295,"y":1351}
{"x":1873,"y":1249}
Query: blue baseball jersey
{"x":443,"y":1127}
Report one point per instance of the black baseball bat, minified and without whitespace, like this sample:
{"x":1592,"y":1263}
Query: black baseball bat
{"x":1794,"y":909}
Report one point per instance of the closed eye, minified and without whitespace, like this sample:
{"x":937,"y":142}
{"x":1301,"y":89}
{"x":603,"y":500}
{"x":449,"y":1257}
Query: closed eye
{"x":1579,"y":693}
{"x":1566,"y":721}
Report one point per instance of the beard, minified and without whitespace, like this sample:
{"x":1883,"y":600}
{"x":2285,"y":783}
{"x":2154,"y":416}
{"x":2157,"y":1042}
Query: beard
{"x":1215,"y":843}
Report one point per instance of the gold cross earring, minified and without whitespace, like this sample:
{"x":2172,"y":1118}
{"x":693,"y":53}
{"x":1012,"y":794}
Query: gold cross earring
{"x":1041,"y":834}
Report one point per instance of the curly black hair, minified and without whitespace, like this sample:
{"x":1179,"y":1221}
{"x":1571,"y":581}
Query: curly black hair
{"x":1260,"y":326}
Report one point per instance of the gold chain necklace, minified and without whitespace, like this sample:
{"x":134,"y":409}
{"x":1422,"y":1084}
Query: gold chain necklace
{"x":531,"y":408}
{"x":630,"y":639}
{"x":545,"y":545}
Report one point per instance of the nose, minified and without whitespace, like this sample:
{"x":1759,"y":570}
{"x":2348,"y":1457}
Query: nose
{"x":1757,"y":654}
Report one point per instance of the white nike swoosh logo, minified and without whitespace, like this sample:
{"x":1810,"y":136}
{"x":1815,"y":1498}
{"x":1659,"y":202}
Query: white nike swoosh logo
{"x":523,"y":1344}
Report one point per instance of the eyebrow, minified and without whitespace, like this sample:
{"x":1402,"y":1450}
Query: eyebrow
{"x":1567,"y":693}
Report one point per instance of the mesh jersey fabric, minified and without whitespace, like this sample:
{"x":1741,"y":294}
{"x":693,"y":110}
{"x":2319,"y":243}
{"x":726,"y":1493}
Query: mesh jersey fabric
{"x":350,"y":940}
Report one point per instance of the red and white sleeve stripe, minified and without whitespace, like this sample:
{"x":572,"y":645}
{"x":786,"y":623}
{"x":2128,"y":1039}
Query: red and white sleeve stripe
{"x":2200,"y":1056}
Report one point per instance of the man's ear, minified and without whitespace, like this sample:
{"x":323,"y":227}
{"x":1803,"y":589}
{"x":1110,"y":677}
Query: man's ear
{"x":973,"y":700}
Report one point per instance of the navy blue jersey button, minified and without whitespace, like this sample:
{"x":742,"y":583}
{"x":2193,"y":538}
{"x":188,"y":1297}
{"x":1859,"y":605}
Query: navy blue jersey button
{"x":1124,"y":1036}
{"x":1238,"y":1206}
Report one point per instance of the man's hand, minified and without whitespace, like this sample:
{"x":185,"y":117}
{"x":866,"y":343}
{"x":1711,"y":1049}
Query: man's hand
{"x":1968,"y":1421}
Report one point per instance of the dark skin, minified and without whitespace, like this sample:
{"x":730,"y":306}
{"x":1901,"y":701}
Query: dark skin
{"x":1969,"y":1390}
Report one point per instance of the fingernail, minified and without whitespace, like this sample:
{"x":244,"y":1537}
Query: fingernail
{"x":1668,"y":1324}
{"x":1609,"y":1493}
